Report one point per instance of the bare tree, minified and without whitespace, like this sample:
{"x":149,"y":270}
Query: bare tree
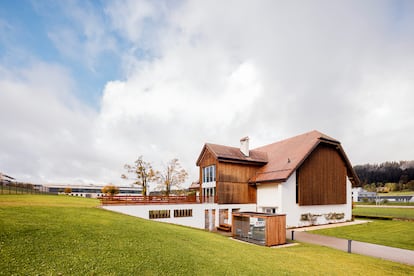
{"x":142,"y":172}
{"x":172,"y":176}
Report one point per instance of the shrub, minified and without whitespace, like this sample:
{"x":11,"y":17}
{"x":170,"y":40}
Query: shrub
{"x":410,"y":185}
{"x":110,"y":190}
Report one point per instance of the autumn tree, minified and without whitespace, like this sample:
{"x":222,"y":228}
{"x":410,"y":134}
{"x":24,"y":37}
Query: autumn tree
{"x":110,"y":190}
{"x":142,"y":173}
{"x":172,"y":176}
{"x":68,"y":190}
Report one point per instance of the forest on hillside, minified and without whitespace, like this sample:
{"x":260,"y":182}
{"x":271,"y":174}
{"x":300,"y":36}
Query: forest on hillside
{"x":387,"y":176}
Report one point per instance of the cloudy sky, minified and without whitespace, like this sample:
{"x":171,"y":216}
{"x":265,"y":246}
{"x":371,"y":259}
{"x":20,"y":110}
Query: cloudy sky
{"x":87,"y":86}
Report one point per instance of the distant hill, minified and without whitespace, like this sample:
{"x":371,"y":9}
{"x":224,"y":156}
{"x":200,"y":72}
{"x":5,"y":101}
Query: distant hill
{"x":401,"y":173}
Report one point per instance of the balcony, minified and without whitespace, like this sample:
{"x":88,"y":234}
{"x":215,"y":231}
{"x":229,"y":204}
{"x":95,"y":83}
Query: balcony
{"x":148,"y":200}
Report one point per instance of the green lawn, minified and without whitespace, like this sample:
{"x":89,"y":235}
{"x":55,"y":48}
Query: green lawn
{"x":385,"y":232}
{"x":404,"y":213}
{"x":47,"y":200}
{"x":389,"y":203}
{"x":46,"y":235}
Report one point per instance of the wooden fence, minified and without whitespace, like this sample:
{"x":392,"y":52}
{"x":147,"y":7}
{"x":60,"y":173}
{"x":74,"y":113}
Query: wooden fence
{"x":20,"y":188}
{"x":136,"y":200}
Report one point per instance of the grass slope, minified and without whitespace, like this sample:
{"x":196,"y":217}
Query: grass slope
{"x":65,"y":237}
{"x":404,"y":213}
{"x":47,"y":200}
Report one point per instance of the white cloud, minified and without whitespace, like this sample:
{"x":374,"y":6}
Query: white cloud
{"x":45,"y":131}
{"x":270,"y":70}
{"x":163,"y":114}
{"x":135,"y":19}
{"x":206,"y":71}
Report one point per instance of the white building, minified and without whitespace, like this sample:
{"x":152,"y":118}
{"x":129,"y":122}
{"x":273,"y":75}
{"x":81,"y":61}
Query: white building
{"x":88,"y":190}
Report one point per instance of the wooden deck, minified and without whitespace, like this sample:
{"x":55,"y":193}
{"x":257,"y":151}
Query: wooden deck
{"x":224,"y":227}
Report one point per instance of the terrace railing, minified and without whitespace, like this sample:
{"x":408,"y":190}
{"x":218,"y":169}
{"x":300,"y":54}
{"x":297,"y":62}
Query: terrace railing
{"x":142,"y":200}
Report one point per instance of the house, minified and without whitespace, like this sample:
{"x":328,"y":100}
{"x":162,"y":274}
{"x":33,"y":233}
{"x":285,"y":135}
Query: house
{"x":307,"y":177}
{"x":194,"y":187}
{"x":359,"y":194}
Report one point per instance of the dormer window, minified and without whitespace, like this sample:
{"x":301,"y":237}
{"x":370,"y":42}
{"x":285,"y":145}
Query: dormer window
{"x":209,"y":174}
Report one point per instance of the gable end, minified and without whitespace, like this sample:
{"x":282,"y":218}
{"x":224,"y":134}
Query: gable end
{"x":321,"y":178}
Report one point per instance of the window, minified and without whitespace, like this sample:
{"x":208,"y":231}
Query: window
{"x":180,"y":213}
{"x":269,"y":210}
{"x":158,"y":214}
{"x":209,"y":174}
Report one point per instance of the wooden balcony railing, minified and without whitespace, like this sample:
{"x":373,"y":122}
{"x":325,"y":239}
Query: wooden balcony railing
{"x":136,"y":200}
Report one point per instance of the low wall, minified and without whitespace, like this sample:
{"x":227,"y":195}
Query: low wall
{"x":199,"y":212}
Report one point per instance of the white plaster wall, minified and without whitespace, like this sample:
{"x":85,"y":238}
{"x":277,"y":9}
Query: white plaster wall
{"x":269,"y":195}
{"x":293,"y":211}
{"x":142,"y":211}
{"x":196,"y":221}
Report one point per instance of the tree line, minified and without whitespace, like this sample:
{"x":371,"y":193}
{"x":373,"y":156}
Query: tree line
{"x":393,"y":176}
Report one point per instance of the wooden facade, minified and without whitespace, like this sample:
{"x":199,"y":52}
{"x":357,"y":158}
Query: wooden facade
{"x":207,"y":159}
{"x":321,"y":179}
{"x":232,"y":183}
{"x":231,"y":179}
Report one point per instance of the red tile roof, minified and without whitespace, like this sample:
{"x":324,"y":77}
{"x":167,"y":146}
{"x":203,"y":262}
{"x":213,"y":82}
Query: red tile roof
{"x":279,"y":160}
{"x":287,"y":155}
{"x":233,"y":154}
{"x":195,"y":185}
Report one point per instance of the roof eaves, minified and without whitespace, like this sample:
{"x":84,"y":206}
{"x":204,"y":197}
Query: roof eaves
{"x":242,"y":161}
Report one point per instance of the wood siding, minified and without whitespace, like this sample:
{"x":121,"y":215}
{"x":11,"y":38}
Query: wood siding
{"x":231,"y":180}
{"x":207,"y":159}
{"x":232,"y":183}
{"x":236,"y":173}
{"x":235,"y":193}
{"x":276,"y":230}
{"x":321,"y":179}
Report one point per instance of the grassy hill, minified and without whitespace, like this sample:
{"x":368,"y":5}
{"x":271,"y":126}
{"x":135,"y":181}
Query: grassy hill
{"x":58,"y":235}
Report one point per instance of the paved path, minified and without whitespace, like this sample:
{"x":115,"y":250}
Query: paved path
{"x":379,"y":251}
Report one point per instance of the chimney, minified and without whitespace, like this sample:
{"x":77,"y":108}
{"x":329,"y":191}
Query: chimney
{"x":244,"y":145}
